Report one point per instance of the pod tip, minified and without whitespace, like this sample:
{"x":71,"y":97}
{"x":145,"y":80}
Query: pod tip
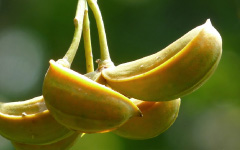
{"x":140,"y":114}
{"x":208,"y":22}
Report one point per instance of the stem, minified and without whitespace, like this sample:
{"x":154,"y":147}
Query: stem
{"x":101,"y":30}
{"x":78,"y":22}
{"x":87,"y":42}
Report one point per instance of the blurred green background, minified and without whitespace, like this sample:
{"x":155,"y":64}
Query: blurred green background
{"x":33,"y":32}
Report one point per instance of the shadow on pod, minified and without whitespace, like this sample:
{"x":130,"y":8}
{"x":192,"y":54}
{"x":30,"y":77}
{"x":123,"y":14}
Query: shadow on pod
{"x":30,"y":122}
{"x":83,"y":105}
{"x":173,"y":72}
{"x":157,"y":118}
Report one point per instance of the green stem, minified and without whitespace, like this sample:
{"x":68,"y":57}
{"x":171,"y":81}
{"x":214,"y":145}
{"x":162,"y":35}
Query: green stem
{"x":105,"y":56}
{"x":78,"y":22}
{"x":87,"y":42}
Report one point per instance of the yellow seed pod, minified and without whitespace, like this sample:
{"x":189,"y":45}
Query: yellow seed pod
{"x":63,"y":144}
{"x":30,"y":122}
{"x":173,"y":72}
{"x":83,"y":105}
{"x":157,"y":117}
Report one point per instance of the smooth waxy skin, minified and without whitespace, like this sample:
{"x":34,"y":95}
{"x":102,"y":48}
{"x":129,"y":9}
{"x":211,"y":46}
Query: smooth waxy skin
{"x":30,"y":122}
{"x":175,"y":71}
{"x":64,"y":144}
{"x":81,"y":104}
{"x":157,"y":117}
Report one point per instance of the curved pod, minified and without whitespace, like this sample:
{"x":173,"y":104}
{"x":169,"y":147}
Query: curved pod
{"x":63,"y":144}
{"x":157,"y":118}
{"x":81,"y":104}
{"x":30,"y":122}
{"x":177,"y":70}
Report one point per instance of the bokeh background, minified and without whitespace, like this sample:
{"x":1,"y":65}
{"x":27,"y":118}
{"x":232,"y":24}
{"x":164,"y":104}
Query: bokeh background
{"x":33,"y":32}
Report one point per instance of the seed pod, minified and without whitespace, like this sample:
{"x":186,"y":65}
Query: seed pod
{"x":173,"y":72}
{"x":157,"y":117}
{"x":81,"y":104}
{"x":64,"y":144}
{"x":30,"y":122}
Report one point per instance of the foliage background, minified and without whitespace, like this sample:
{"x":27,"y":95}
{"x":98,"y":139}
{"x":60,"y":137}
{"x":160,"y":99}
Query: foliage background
{"x":32,"y":32}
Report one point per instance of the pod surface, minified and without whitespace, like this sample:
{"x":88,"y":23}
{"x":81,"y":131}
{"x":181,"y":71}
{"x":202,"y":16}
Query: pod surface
{"x":63,"y":144}
{"x":81,"y":104}
{"x":177,"y":70}
{"x":30,"y":122}
{"x":157,"y":117}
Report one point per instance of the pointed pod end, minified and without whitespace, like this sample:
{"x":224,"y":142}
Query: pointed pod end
{"x":208,"y":22}
{"x":138,"y":113}
{"x":135,"y":110}
{"x":213,"y":32}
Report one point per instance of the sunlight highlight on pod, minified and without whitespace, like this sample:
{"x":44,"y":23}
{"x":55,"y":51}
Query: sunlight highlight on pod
{"x":30,"y":122}
{"x":136,"y":100}
{"x":81,"y":104}
{"x":173,"y":72}
{"x":64,"y":144}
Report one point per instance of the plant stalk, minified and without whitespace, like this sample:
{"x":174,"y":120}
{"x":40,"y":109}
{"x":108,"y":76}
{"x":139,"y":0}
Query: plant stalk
{"x":87,"y":42}
{"x":105,"y":56}
{"x":78,"y":22}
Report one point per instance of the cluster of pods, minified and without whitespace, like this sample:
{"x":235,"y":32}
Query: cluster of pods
{"x":135,"y":100}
